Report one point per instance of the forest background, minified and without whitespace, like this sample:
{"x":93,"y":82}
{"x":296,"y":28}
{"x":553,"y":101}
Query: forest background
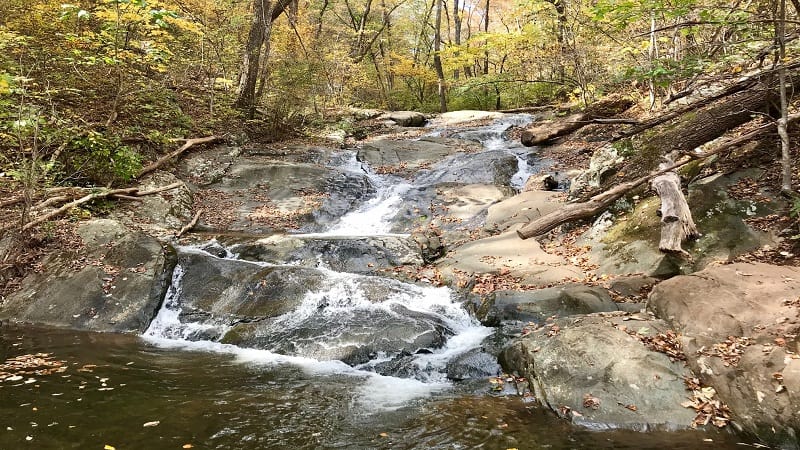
{"x":91,"y":90}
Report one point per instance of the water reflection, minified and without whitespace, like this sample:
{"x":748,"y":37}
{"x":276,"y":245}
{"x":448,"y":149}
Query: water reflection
{"x":114,"y":384}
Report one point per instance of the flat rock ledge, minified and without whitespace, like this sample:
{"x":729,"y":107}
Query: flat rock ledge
{"x":739,"y":327}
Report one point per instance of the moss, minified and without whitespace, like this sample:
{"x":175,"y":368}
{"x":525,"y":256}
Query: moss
{"x":641,"y":224}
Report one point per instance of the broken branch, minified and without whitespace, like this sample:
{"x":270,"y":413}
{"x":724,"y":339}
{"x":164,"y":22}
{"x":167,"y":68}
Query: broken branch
{"x":166,"y":158}
{"x":191,"y":224}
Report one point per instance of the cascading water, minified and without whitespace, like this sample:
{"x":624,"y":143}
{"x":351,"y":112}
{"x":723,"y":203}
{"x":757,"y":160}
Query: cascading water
{"x":374,"y":217}
{"x":398,"y":337}
{"x":366,"y":321}
{"x":492,"y":137}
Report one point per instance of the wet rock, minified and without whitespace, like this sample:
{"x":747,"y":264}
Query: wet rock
{"x":364,"y":254}
{"x":430,"y":245}
{"x":541,"y":182}
{"x":489,"y":167}
{"x":224,"y":290}
{"x":115,"y":283}
{"x":537,"y":305}
{"x":600,"y":377}
{"x":354,"y":335}
{"x":407,"y":156}
{"x":739,"y":325}
{"x":473,"y":364}
{"x":406,"y":118}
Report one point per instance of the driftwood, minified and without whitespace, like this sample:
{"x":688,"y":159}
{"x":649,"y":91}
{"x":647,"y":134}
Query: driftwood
{"x":191,"y":223}
{"x":676,"y":217}
{"x":186,"y":146}
{"x":598,"y":203}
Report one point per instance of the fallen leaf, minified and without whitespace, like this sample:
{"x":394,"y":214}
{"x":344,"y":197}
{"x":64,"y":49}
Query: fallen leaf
{"x":108,"y":447}
{"x":151,"y":424}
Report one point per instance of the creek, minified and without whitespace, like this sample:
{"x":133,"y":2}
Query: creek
{"x":307,"y":357}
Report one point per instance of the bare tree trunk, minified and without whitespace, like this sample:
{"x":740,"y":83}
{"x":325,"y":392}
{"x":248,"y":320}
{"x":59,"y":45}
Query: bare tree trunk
{"x":437,"y":60}
{"x":486,"y":30}
{"x":456,"y":32}
{"x":786,"y":162}
{"x":561,"y":36}
{"x":252,"y":59}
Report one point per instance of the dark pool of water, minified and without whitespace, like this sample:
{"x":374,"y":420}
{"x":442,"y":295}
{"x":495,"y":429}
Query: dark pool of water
{"x":114,"y":384}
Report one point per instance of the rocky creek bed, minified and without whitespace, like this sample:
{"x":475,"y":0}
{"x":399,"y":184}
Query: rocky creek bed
{"x":397,"y":264}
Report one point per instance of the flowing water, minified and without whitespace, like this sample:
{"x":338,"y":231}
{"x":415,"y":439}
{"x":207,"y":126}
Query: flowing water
{"x":354,"y":361}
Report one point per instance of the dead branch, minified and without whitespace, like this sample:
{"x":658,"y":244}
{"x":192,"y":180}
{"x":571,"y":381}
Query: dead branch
{"x":166,"y":158}
{"x":52,"y":201}
{"x":126,"y":197}
{"x":191,"y":224}
{"x":74,"y":203}
{"x":11,"y":202}
{"x":168,"y":187}
{"x":132,"y":193}
{"x":600,"y":202}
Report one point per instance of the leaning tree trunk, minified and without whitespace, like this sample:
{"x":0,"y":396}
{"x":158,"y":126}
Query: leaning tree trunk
{"x":695,"y":128}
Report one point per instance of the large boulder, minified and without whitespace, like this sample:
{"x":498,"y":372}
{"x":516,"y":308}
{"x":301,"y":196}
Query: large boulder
{"x":300,"y":311}
{"x":115,"y":282}
{"x":406,"y":157}
{"x":219,"y":292}
{"x":406,"y":118}
{"x":256,"y":194}
{"x":538,"y":305}
{"x":740,"y":325}
{"x":592,"y":372}
{"x":488,"y":167}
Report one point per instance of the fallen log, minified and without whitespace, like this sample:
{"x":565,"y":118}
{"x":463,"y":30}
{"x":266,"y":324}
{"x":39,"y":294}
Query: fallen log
{"x":132,"y":193}
{"x":166,"y":158}
{"x":599,"y":202}
{"x":600,"y":112}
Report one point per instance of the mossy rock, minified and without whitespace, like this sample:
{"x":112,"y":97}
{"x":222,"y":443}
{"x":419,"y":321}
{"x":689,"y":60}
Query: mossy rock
{"x":630,"y":244}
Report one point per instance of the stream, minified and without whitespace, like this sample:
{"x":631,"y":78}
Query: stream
{"x":309,"y":357}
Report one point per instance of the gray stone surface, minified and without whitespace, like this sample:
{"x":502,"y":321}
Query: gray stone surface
{"x":590,"y":357}
{"x":116,"y":283}
{"x":759,"y":302}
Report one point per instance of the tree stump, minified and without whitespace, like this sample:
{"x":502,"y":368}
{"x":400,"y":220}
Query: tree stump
{"x":676,"y":218}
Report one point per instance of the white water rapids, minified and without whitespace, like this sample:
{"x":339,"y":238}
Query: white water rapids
{"x":341,"y":316}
